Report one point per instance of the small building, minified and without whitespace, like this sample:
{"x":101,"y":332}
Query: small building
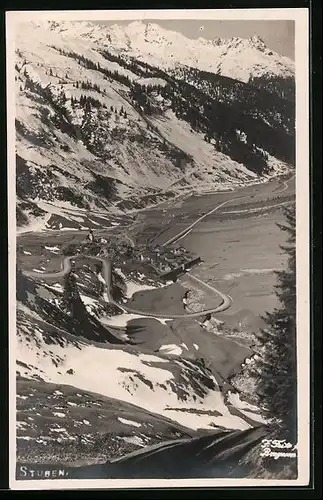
{"x":90,"y":236}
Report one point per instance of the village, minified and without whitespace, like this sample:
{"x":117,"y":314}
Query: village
{"x":165,"y":262}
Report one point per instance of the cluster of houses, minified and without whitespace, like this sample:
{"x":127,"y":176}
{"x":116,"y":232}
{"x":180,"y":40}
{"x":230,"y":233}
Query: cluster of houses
{"x":166,"y":260}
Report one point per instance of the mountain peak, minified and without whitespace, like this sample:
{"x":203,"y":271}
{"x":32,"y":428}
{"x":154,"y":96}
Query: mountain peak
{"x":257,"y":42}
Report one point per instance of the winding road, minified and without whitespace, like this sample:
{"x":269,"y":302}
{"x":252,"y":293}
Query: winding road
{"x":107,"y":275}
{"x":285,"y":185}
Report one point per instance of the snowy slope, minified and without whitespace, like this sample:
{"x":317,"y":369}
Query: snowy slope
{"x":78,"y":427}
{"x":164,"y":376}
{"x":160,"y":383}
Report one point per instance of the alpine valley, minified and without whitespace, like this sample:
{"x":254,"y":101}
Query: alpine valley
{"x":128,"y":139}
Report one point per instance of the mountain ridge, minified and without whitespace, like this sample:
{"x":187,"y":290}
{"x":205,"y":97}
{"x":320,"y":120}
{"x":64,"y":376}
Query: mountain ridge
{"x":142,"y":40}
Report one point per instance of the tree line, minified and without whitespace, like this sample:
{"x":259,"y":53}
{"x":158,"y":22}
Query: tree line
{"x":258,"y":99}
{"x":216,"y":120}
{"x":89,"y":64}
{"x":87,"y":86}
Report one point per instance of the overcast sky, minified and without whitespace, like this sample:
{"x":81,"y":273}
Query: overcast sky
{"x":277,"y":35}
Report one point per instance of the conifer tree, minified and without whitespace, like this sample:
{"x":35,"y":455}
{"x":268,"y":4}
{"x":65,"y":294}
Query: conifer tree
{"x":70,"y":294}
{"x":87,"y":105}
{"x":277,"y":367}
{"x":63,"y":98}
{"x":73,"y":305}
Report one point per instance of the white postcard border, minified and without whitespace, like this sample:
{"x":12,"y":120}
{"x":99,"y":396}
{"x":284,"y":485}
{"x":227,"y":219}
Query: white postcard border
{"x":301,"y":18}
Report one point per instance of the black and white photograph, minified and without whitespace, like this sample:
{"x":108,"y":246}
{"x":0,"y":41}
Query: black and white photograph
{"x":158,"y":200}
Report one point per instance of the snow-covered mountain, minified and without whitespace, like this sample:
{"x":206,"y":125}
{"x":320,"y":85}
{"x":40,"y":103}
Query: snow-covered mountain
{"x":106,"y":121}
{"x":236,"y":58}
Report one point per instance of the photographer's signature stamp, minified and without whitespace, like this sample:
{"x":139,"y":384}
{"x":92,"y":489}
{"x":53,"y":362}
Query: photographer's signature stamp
{"x":278,"y":448}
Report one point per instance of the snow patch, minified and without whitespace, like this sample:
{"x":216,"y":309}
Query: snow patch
{"x":129,"y":422}
{"x":58,"y":429}
{"x":247,"y":409}
{"x":21,"y":425}
{"x":121,"y":320}
{"x":133,"y":288}
{"x":56,"y":286}
{"x":133,"y":440}
{"x":52,"y":249}
{"x":171,"y":349}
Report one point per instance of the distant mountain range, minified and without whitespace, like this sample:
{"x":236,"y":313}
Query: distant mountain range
{"x":236,"y":58}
